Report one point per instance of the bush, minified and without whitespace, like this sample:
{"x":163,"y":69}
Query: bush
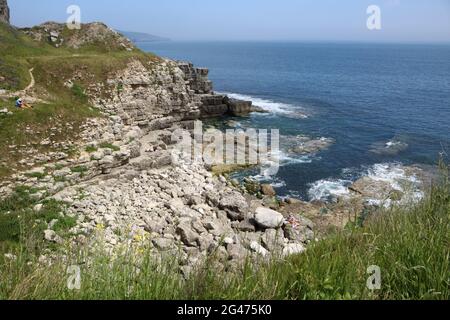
{"x":109,"y":146}
{"x":79,"y":169}
{"x":91,"y":149}
{"x":79,"y":93}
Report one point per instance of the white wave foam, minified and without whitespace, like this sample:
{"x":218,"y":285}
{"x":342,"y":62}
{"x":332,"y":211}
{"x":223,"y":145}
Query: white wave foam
{"x":391,"y":173}
{"x":274,"y":181}
{"x":282,"y":159}
{"x":326,"y":190}
{"x":295,"y":194}
{"x":396,"y":176}
{"x":279,"y":184}
{"x":396,"y":144}
{"x":269,"y":167}
{"x":392,"y":147}
{"x":271,"y":106}
{"x":286,"y":159}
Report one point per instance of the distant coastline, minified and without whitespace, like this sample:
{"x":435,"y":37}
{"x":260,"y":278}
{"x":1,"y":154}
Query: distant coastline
{"x":142,"y":37}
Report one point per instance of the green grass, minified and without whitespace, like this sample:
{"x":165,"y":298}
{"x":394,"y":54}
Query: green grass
{"x":20,"y":53}
{"x":109,"y":146}
{"x":79,"y":169}
{"x":409,"y":244}
{"x":21,"y":228}
{"x":27,"y":128}
{"x":38,"y":175}
{"x":91,"y":149}
{"x":79,"y":92}
{"x":14,"y":48}
{"x":60,"y":179}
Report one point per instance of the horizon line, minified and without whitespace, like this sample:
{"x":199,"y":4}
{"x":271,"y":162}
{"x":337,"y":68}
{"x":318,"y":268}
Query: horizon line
{"x":442,"y":42}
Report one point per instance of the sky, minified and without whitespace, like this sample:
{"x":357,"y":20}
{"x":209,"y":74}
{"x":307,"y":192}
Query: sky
{"x":253,"y":20}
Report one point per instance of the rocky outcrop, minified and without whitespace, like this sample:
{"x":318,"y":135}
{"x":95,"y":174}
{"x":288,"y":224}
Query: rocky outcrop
{"x":390,"y":184}
{"x":212,"y":104}
{"x":216,"y":105}
{"x":91,"y":34}
{"x":152,"y":96}
{"x":303,"y":145}
{"x":4,"y":11}
{"x":157,"y":95}
{"x":197,"y":78}
{"x":239,"y":107}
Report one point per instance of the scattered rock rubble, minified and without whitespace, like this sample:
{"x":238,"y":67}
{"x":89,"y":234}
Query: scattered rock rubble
{"x":182,"y":207}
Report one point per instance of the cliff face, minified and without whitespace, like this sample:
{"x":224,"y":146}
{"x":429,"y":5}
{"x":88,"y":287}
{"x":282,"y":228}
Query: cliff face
{"x":152,"y":97}
{"x":156,"y":96}
{"x":4,"y":11}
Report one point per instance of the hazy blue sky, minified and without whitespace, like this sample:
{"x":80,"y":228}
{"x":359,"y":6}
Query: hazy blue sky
{"x":402,"y":20}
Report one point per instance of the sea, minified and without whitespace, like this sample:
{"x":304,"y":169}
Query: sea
{"x":384,"y":105}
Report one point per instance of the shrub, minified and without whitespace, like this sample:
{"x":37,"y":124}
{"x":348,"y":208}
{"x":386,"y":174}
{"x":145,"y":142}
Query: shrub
{"x":91,"y":149}
{"x":79,"y":93}
{"x":109,"y":146}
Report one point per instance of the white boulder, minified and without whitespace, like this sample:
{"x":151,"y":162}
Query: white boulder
{"x":268,"y":218}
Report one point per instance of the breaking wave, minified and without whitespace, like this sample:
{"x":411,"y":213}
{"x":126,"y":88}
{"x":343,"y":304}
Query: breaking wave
{"x":329,"y":190}
{"x":392,"y":147}
{"x":285,"y":109}
{"x":394,"y":174}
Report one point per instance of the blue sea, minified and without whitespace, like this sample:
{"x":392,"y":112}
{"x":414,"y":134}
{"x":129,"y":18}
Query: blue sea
{"x":383,"y":104}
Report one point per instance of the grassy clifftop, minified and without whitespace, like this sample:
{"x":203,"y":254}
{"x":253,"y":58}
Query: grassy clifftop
{"x":92,"y":47}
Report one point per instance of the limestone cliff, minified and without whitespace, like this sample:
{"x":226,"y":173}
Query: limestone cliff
{"x":4,"y":11}
{"x":151,"y":97}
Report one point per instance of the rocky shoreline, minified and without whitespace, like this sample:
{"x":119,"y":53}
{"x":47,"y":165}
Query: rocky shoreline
{"x":125,"y":183}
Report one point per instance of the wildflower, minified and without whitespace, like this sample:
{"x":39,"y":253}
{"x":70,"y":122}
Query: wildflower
{"x":293,"y":221}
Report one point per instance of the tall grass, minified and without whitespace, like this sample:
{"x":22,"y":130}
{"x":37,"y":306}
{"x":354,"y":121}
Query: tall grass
{"x":409,"y":244}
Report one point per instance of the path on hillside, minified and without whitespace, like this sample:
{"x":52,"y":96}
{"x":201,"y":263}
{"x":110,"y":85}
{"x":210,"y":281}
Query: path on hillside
{"x":32,"y":81}
{"x":25,"y":93}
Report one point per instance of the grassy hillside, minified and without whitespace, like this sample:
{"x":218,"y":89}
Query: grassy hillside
{"x":411,"y":245}
{"x":61,"y":105}
{"x":15,"y":47}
